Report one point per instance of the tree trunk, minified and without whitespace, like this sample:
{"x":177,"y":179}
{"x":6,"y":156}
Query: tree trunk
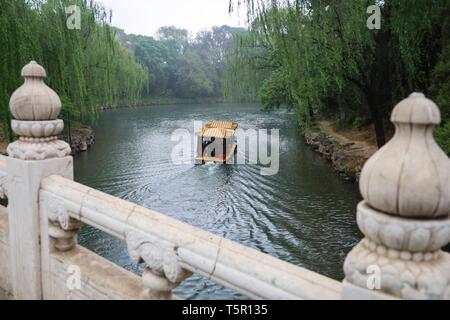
{"x":311,"y":113}
{"x":379,"y":88}
{"x":377,"y":121}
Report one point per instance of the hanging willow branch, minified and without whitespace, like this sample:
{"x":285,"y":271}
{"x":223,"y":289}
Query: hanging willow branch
{"x":37,"y":30}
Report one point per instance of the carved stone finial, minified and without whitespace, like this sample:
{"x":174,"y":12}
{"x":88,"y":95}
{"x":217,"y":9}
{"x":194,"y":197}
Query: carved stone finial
{"x":33,"y":69}
{"x":34,"y":100}
{"x":405,"y":212}
{"x":410,"y":176}
{"x":35,"y":108}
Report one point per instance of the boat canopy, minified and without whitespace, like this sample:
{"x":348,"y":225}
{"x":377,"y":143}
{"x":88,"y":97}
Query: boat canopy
{"x":222,"y":124}
{"x":219,"y":133}
{"x":218,"y":129}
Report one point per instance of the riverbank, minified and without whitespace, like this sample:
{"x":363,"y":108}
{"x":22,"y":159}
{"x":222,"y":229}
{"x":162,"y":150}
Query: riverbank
{"x":82,"y":138}
{"x":347,"y":150}
{"x":161,"y":101}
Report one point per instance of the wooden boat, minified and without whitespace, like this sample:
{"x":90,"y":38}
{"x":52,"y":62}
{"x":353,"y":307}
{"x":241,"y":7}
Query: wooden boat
{"x":216,"y":142}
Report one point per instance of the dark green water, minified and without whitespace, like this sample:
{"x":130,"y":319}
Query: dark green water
{"x":305,"y":214}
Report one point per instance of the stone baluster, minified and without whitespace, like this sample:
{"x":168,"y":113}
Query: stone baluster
{"x":61,"y":228}
{"x":35,"y":155}
{"x":163,"y":271}
{"x":405,"y":213}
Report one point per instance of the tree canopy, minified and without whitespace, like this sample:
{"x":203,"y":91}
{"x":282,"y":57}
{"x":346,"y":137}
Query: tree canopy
{"x":320,"y":57}
{"x":85,"y":66}
{"x":316,"y":56}
{"x":181,"y":66}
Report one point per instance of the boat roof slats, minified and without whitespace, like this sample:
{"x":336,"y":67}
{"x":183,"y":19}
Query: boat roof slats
{"x":220,"y":133}
{"x":222,"y":124}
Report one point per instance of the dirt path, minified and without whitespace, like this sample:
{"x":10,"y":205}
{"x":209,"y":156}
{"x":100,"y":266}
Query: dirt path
{"x":359,"y":141}
{"x":347,"y":150}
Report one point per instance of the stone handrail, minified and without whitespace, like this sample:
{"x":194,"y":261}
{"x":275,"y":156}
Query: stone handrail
{"x":172,"y":250}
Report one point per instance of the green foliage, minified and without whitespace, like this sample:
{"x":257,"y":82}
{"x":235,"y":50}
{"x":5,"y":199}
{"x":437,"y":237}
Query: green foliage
{"x":86,"y":67}
{"x":179,"y":37}
{"x":179,"y":66}
{"x":442,"y":135}
{"x":332,"y":64}
{"x":274,"y":92}
{"x":440,"y":86}
{"x":245,"y":70}
{"x":314,"y":56}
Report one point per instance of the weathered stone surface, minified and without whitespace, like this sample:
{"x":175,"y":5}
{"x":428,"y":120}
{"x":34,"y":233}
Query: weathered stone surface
{"x":35,"y":108}
{"x":405,"y":212}
{"x":37,"y":154}
{"x":37,"y":129}
{"x":25,"y":238}
{"x":5,"y":275}
{"x":100,"y":279}
{"x":34,"y":100}
{"x":406,"y":251}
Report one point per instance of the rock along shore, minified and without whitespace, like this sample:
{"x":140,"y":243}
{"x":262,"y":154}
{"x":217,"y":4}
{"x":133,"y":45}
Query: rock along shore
{"x":82,"y":139}
{"x":346,"y":156}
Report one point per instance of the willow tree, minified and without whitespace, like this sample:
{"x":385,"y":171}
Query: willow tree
{"x":331,"y":61}
{"x":17,"y":46}
{"x":244,"y":71}
{"x":440,"y":84}
{"x":83,"y":65}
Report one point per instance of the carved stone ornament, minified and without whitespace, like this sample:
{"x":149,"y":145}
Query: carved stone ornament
{"x":407,"y":253}
{"x":62,"y":228}
{"x":405,"y":212}
{"x":164,"y":271}
{"x":34,"y":100}
{"x":35,"y":108}
{"x":37,"y":129}
{"x":38,"y":150}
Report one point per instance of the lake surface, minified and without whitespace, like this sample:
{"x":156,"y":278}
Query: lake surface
{"x":305,"y":214}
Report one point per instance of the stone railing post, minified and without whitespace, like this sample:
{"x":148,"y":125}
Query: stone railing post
{"x":405,"y":213}
{"x":35,"y":155}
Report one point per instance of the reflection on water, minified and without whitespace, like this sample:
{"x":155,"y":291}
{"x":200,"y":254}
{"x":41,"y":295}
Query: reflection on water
{"x":305,"y":214}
